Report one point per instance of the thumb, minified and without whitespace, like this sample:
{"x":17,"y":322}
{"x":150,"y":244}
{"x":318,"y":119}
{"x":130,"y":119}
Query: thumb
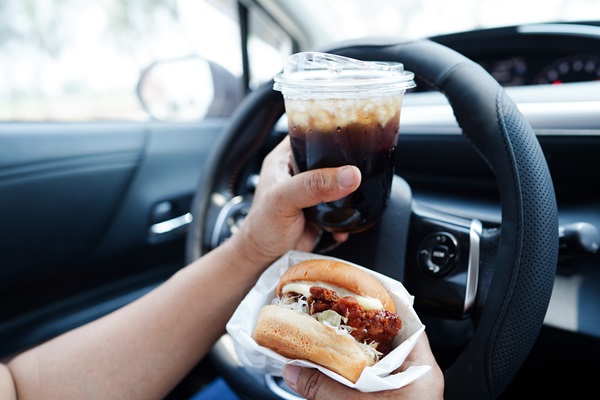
{"x":322,"y":185}
{"x":313,"y":385}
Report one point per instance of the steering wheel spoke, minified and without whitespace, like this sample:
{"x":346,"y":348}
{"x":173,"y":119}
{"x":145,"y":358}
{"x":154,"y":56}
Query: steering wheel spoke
{"x":442,"y":268}
{"x":227,"y":216}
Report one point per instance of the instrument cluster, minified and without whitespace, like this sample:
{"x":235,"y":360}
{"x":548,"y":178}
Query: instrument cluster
{"x":523,"y":70}
{"x":536,"y":54}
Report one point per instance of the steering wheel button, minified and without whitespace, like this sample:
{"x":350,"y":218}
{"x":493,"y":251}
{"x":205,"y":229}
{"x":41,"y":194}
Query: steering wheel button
{"x":438,"y":254}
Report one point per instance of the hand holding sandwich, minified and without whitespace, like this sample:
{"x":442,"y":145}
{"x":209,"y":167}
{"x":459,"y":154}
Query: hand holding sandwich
{"x":314,"y":385}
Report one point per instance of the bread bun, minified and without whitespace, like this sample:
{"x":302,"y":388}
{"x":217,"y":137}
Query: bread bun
{"x":299,"y":336}
{"x":339,"y":274}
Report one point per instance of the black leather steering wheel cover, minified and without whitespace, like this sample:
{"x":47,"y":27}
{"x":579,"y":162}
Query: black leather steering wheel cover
{"x":514,"y":293}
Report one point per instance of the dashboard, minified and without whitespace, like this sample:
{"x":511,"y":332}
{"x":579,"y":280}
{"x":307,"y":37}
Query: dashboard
{"x":536,"y":54}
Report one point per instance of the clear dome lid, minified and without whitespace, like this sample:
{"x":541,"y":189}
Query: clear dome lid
{"x":323,"y":75}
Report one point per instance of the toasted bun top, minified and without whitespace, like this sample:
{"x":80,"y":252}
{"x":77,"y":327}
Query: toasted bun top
{"x":339,"y":274}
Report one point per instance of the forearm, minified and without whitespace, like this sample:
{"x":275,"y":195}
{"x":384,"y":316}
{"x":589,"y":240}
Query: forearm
{"x":7,"y":387}
{"x":144,"y":349}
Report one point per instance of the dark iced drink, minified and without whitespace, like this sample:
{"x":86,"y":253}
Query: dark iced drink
{"x":332,"y":122}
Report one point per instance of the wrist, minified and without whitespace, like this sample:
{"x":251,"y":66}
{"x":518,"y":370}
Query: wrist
{"x":245,"y":249}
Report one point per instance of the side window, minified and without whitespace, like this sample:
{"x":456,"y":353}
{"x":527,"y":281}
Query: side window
{"x":135,"y":60}
{"x":268,"y":48}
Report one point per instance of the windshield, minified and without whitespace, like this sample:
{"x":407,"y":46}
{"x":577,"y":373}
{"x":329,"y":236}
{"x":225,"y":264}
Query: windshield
{"x":342,"y":20}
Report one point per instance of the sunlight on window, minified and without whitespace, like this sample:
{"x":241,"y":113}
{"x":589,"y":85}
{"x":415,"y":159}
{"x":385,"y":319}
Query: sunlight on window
{"x":423,"y":18}
{"x":71,"y":60}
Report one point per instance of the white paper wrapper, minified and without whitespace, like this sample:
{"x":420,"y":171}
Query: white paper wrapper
{"x":378,"y":377}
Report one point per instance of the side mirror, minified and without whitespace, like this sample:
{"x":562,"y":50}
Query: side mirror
{"x":188,"y":89}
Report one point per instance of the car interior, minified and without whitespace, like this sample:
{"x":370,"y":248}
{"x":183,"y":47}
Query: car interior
{"x":497,"y":151}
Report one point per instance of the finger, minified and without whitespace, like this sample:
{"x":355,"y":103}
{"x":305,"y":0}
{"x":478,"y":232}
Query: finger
{"x":276,"y":165}
{"x":340,"y":237}
{"x":313,"y":385}
{"x":321,"y":185}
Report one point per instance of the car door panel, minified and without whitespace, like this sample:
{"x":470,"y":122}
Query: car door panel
{"x":76,"y":208}
{"x":169,"y":172}
{"x":57,"y":199}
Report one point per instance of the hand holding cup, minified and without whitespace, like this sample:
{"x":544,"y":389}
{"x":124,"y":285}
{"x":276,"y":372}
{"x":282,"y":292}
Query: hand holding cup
{"x":343,"y":111}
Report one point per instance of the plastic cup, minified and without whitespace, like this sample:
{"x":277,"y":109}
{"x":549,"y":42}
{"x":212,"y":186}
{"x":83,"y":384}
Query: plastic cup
{"x":343,"y":111}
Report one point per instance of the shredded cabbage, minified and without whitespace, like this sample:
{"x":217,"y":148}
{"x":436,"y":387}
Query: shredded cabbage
{"x":329,"y":318}
{"x":297,"y":303}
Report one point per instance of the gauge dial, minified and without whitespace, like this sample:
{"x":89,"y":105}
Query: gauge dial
{"x":575,"y":68}
{"x":509,"y":71}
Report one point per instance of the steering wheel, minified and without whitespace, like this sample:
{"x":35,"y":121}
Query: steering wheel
{"x":499,"y":278}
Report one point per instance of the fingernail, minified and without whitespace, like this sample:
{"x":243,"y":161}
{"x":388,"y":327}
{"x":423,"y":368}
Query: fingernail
{"x":290,"y":375}
{"x":347,"y":177}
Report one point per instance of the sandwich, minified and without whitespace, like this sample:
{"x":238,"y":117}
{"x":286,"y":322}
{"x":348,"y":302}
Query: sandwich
{"x":332,"y":314}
